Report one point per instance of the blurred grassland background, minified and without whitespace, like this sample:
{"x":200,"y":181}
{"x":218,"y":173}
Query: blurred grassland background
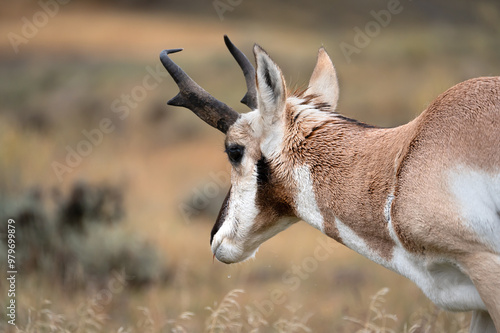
{"x":119,"y":240}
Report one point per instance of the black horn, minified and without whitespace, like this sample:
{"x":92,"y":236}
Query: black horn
{"x":195,"y":98}
{"x":250,"y":98}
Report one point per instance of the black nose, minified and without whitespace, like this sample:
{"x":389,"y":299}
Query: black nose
{"x":221,"y":217}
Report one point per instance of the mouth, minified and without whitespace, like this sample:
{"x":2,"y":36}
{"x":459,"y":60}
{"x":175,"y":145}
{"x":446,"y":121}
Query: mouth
{"x":220,"y":252}
{"x":229,"y":253}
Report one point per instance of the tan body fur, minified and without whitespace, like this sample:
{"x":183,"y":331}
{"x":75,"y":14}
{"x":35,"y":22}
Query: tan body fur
{"x":460,"y":128}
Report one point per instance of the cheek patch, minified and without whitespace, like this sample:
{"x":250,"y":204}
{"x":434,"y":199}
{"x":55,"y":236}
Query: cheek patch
{"x":263,"y":171}
{"x":273,"y":199}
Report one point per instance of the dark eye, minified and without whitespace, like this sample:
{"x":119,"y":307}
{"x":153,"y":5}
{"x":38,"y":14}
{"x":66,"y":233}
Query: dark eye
{"x":235,"y":153}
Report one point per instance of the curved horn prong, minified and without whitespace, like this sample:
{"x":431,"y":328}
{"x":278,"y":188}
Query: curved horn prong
{"x":250,"y":98}
{"x":195,"y":98}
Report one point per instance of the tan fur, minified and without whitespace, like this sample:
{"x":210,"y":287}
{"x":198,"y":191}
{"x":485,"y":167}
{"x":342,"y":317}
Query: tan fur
{"x":352,"y":175}
{"x":446,"y":135}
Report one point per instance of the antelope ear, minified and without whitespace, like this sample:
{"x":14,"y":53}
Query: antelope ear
{"x":324,"y":81}
{"x":271,"y":87}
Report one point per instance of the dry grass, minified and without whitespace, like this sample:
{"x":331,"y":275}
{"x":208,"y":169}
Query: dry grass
{"x":231,"y":316}
{"x":377,"y":319}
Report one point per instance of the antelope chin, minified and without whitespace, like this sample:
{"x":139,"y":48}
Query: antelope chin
{"x":229,"y":253}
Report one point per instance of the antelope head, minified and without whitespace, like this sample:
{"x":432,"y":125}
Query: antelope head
{"x":268,"y":190}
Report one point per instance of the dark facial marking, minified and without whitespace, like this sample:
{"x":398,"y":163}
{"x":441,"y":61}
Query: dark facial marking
{"x":263,"y":171}
{"x":235,"y":153}
{"x":221,"y":217}
{"x":272,"y":198}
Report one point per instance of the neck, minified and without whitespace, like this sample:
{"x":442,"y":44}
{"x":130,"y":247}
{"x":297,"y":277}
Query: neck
{"x":353,"y":179}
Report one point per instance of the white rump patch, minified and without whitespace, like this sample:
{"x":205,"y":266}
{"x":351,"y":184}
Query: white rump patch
{"x":305,"y":199}
{"x":478,"y":196}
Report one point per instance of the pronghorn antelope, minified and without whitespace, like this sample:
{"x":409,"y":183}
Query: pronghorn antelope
{"x":422,"y":199}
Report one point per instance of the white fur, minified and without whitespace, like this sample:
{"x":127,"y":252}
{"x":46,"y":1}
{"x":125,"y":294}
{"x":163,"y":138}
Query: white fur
{"x":477,"y":194}
{"x":253,"y":118}
{"x":271,"y":139}
{"x":442,"y":281}
{"x":271,"y":142}
{"x":228,"y":244}
{"x":388,"y":207}
{"x":305,"y":200}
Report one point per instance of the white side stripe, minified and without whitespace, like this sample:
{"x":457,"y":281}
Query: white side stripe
{"x":387,"y":208}
{"x":305,"y":200}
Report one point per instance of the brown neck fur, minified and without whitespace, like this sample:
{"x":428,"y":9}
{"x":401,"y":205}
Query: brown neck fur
{"x":353,"y":167}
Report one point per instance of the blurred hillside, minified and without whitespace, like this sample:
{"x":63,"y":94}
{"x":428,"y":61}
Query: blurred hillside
{"x":322,"y":13}
{"x":110,"y":183}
